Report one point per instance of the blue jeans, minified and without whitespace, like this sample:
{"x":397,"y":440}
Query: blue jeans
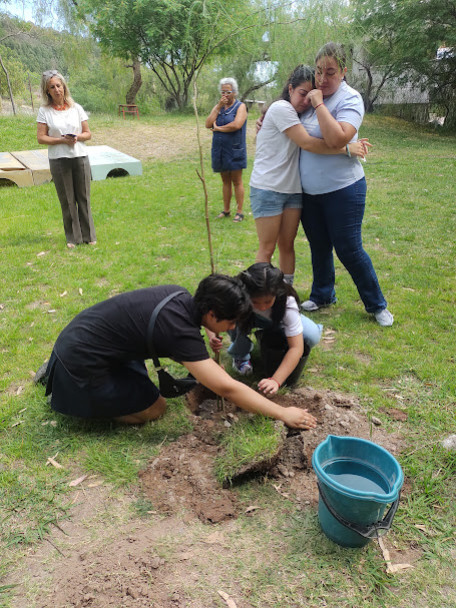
{"x":242,"y":345}
{"x":333,"y":221}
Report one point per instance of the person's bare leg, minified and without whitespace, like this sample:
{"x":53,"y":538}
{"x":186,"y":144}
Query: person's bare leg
{"x":285,"y":242}
{"x":268,"y":231}
{"x":153,"y":412}
{"x":236,"y":177}
{"x":226,"y":190}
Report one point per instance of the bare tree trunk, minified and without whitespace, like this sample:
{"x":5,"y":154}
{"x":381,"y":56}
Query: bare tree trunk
{"x":30,"y":89}
{"x":130,"y":97}
{"x":9,"y":85}
{"x":201,"y":175}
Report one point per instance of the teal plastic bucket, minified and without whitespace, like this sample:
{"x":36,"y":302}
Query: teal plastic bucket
{"x":357,"y":479}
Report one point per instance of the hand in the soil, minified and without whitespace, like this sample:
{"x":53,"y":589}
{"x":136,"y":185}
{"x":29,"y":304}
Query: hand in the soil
{"x":268,"y":386}
{"x":297,"y":418}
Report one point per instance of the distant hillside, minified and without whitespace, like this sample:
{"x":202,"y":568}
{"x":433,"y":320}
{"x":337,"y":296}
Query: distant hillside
{"x":37,"y":49}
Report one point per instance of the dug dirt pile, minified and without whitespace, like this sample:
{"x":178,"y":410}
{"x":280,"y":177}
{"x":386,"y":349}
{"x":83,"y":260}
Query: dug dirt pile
{"x":182,"y":477}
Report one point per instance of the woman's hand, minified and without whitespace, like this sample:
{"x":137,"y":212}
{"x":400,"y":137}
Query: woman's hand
{"x":268,"y":386}
{"x":360,"y":147}
{"x":316,"y":97}
{"x":296,"y":418}
{"x":70,"y":139}
{"x":259,"y":123}
{"x":224,"y":100}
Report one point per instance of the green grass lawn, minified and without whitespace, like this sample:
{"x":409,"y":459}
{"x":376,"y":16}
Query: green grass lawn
{"x":151,"y":230}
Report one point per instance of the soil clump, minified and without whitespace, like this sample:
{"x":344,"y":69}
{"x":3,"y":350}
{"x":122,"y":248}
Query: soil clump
{"x":182,"y":476}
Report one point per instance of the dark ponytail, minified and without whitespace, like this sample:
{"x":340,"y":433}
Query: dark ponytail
{"x":301,"y":73}
{"x":264,"y":279}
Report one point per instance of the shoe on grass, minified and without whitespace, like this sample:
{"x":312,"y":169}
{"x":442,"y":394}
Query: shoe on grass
{"x":41,"y":376}
{"x":309,"y":306}
{"x":384,"y":317}
{"x":243,"y":367}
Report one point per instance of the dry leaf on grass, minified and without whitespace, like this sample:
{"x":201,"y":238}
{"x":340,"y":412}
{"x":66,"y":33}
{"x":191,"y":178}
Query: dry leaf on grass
{"x":80,"y":291}
{"x":77,"y":481}
{"x":63,"y":294}
{"x":391,"y":568}
{"x":229,"y":602}
{"x":279,"y":490}
{"x":54,"y":463}
{"x":95,"y":484}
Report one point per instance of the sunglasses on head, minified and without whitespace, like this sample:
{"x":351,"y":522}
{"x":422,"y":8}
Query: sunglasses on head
{"x":50,"y":73}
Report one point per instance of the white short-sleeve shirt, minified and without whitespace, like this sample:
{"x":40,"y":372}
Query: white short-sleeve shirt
{"x":291,"y":322}
{"x":276,"y":165}
{"x":63,"y":123}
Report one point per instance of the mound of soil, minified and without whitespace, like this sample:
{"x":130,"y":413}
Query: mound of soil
{"x":181,"y":478}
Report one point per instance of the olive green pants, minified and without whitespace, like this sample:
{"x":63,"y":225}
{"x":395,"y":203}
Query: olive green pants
{"x":72,"y":181}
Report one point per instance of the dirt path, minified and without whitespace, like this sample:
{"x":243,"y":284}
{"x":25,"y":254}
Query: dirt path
{"x":162,"y":142}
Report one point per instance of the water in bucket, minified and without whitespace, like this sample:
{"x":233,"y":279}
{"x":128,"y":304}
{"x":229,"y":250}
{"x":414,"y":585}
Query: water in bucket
{"x":357,"y":480}
{"x":357,"y":476}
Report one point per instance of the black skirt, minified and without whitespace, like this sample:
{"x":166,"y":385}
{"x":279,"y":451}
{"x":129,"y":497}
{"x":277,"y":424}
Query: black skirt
{"x":126,"y":389}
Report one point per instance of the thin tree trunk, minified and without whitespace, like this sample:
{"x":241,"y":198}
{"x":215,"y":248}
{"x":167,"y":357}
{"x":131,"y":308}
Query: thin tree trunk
{"x":130,"y":97}
{"x":200,"y":173}
{"x":9,"y":85}
{"x":30,"y":89}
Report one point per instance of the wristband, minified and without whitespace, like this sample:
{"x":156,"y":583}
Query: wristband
{"x":348,"y":151}
{"x":320,"y":104}
{"x":278,"y":383}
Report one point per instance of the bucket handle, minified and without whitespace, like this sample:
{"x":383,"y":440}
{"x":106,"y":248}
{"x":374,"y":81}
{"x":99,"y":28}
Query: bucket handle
{"x":375,"y":530}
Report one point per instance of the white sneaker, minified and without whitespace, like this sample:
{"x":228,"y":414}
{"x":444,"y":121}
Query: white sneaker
{"x":384,"y":318}
{"x":309,"y":306}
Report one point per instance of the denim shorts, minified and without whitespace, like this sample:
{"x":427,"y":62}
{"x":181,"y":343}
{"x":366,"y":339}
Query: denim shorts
{"x":266,"y":203}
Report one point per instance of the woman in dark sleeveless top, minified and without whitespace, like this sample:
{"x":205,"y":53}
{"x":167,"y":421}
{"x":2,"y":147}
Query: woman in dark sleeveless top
{"x":227,"y":121}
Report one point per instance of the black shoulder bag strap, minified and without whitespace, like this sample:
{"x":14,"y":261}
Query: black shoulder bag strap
{"x":151,"y":326}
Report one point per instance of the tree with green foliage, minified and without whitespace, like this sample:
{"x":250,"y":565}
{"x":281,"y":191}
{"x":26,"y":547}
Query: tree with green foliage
{"x":413,"y":42}
{"x":171,"y":37}
{"x":13,"y":72}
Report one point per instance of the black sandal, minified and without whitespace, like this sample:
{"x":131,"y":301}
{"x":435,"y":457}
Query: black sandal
{"x":223,"y":214}
{"x":238,"y":217}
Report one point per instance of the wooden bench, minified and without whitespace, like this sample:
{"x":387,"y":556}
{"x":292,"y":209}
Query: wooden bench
{"x":128,"y":108}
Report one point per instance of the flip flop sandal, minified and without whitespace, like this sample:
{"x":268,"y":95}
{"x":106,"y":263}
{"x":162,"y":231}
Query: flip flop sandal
{"x":238,"y":217}
{"x":223,"y":214}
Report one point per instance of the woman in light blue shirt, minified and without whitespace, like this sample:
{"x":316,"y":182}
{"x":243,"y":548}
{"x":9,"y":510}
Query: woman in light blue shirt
{"x":335,"y":189}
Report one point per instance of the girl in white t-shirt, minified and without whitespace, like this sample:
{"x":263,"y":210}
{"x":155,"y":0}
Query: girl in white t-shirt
{"x":275,"y":183}
{"x":63,"y":127}
{"x":286,"y":335}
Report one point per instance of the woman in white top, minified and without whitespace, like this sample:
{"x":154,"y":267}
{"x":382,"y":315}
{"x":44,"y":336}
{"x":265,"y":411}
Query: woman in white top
{"x":63,"y":127}
{"x":275,"y":183}
{"x":286,"y":336}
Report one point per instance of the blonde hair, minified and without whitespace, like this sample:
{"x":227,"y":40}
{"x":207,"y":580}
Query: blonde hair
{"x":47,"y":99}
